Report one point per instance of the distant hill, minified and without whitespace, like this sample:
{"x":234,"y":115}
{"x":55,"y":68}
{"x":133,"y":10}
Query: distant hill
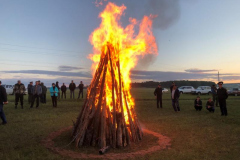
{"x":167,"y":84}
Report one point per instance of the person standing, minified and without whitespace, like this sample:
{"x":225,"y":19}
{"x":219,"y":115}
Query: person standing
{"x":72,"y":87}
{"x":175,"y":98}
{"x":29,"y":88}
{"x":158,"y":95}
{"x":198,"y":104}
{"x":171,"y":87}
{"x":210,"y":105}
{"x":19,"y":90}
{"x":54,"y":94}
{"x":222,"y":96}
{"x":44,"y":92}
{"x":63,"y":89}
{"x":57,"y":85}
{"x":3,"y":101}
{"x":214,"y":94}
{"x":80,"y":86}
{"x":41,"y":96}
{"x":37,"y":91}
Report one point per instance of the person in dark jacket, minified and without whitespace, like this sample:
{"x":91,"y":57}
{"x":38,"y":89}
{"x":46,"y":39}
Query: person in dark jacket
{"x":29,"y":88}
{"x":63,"y":89}
{"x":158,"y":95}
{"x":171,"y":87}
{"x":175,"y":98}
{"x":198,"y":104}
{"x":19,"y":90}
{"x":72,"y":87}
{"x":214,"y":94}
{"x":37,"y":91}
{"x":44,"y":92}
{"x":210,"y":105}
{"x":54,"y":94}
{"x":3,"y":101}
{"x":222,"y":96}
{"x":80,"y":86}
{"x":57,"y":85}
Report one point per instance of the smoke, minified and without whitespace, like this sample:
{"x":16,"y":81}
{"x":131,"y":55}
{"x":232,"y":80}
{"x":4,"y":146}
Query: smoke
{"x":167,"y":11}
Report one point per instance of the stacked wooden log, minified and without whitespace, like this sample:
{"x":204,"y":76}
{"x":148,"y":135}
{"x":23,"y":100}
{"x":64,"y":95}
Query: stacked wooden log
{"x":100,"y":123}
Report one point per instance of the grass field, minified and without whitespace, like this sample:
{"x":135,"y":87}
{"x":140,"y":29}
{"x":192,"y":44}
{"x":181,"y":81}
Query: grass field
{"x":195,"y":135}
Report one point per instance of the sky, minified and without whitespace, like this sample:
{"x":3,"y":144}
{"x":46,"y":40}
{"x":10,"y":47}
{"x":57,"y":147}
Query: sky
{"x":48,"y":40}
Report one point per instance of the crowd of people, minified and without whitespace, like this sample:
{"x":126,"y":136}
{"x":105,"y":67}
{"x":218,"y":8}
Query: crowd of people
{"x":37,"y":93}
{"x":219,"y":96}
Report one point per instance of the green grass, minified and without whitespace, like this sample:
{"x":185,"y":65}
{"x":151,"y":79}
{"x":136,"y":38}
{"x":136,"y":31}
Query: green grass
{"x":194,"y":135}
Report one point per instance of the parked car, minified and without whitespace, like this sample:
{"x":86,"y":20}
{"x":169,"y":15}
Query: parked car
{"x":234,"y":91}
{"x":202,"y":90}
{"x":186,"y":89}
{"x":9,"y":88}
{"x":164,"y":90}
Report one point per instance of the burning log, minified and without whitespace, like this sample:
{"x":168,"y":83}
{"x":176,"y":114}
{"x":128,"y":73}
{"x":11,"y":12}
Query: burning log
{"x":102,"y":119}
{"x":104,"y":150}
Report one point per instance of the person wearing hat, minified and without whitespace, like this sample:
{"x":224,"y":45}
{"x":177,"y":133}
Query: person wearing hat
{"x":3,"y":101}
{"x":158,"y":95}
{"x":222,"y":96}
{"x":29,"y":88}
{"x":175,"y":98}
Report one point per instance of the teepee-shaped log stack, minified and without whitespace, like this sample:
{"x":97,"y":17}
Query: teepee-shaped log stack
{"x":107,"y":117}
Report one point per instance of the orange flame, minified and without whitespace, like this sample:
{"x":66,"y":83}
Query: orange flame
{"x":126,"y":47}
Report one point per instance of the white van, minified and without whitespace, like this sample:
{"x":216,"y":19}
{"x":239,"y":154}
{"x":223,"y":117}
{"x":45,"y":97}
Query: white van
{"x":9,"y":88}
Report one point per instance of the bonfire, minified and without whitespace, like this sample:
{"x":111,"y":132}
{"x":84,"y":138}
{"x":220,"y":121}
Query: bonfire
{"x":108,"y":117}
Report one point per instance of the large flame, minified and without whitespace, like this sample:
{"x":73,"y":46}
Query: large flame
{"x":125,"y":46}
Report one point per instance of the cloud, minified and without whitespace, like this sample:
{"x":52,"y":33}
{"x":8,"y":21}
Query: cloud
{"x":165,"y":76}
{"x":195,"y":70}
{"x":68,"y":68}
{"x":53,"y":73}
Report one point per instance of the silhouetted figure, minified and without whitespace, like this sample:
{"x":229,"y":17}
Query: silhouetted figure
{"x":72,"y":87}
{"x":214,"y":94}
{"x":63,"y":89}
{"x":175,"y":98}
{"x":80,"y":86}
{"x":3,"y":101}
{"x":44,"y":92}
{"x":222,"y":96}
{"x":158,"y":94}
{"x":30,"y":94}
{"x":19,"y":90}
{"x":37,"y":91}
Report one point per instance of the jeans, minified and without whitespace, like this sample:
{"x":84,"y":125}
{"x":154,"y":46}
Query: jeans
{"x":33,"y":100}
{"x":72,"y":93}
{"x":2,"y":115}
{"x":80,"y":92}
{"x":175,"y":104}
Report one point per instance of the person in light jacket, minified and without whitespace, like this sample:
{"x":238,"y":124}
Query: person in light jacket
{"x":36,"y":91}
{"x":54,"y":94}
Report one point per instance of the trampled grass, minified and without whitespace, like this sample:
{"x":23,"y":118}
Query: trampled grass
{"x":194,"y":135}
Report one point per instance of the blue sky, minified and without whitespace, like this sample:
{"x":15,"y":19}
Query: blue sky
{"x":48,"y":39}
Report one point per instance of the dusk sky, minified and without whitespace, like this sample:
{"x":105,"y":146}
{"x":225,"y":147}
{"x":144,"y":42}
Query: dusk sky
{"x":48,"y":40}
